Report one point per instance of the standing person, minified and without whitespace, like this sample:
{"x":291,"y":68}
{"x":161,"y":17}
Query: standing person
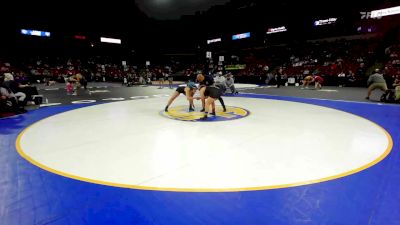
{"x":376,"y":81}
{"x":129,"y":79}
{"x":279,"y":78}
{"x":188,"y":91}
{"x":160,"y":77}
{"x":341,"y":79}
{"x":169,"y":78}
{"x":125,"y":81}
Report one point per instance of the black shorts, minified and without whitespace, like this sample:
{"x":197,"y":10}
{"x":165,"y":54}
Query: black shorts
{"x":213,"y":92}
{"x":181,"y":90}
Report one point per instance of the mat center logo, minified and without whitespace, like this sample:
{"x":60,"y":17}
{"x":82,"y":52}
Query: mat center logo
{"x":182,"y":113}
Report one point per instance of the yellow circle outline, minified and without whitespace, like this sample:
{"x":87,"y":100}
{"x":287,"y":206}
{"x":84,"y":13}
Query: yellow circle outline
{"x":137,"y":187}
{"x":168,"y":116}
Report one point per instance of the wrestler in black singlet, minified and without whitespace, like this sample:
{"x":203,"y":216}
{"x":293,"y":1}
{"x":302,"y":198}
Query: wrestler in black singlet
{"x":215,"y":93}
{"x":208,"y":81}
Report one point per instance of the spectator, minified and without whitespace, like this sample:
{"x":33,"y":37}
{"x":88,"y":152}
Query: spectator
{"x":396,"y":85}
{"x":351,"y":79}
{"x":376,"y":81}
{"x":388,"y":78}
{"x":342,"y":79}
{"x":279,"y":77}
{"x":160,"y":77}
{"x":8,"y":100}
{"x":361,"y":70}
{"x":220,"y":82}
{"x":125,"y":81}
{"x":270,"y":77}
{"x":230,"y":83}
{"x":169,"y":78}
{"x":14,"y":87}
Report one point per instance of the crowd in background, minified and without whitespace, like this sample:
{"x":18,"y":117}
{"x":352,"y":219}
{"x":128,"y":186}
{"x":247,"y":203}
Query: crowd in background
{"x":338,"y":62}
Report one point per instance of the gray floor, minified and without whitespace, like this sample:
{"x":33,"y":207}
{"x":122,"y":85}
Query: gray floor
{"x":331,"y":92}
{"x":100,"y":91}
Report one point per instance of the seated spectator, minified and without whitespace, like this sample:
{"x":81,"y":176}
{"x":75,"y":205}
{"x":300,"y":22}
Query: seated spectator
{"x":219,"y":81}
{"x":142,"y":80}
{"x":270,"y":79}
{"x":17,"y":86}
{"x":376,"y":81}
{"x":388,"y":78}
{"x":396,"y":86}
{"x":351,"y":79}
{"x":8,"y":101}
{"x":230,"y":83}
{"x":14,"y":87}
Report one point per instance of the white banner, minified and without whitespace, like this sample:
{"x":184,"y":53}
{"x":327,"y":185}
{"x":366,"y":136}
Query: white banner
{"x":110,"y":40}
{"x":385,"y":12}
{"x":276,"y":30}
{"x":214,"y":40}
{"x":325,"y":22}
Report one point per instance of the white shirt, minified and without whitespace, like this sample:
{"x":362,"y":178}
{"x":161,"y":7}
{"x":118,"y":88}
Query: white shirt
{"x":219,"y":80}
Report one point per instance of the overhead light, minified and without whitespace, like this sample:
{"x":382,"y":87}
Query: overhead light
{"x":110,"y":40}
